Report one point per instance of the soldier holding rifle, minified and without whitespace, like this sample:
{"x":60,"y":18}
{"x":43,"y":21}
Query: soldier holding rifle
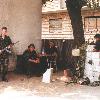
{"x":5,"y":46}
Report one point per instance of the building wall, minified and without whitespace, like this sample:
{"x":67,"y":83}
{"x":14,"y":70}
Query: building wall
{"x":65,"y":28}
{"x":23,"y":19}
{"x":54,"y":5}
{"x":91,"y":25}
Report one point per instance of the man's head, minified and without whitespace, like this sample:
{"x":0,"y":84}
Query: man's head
{"x":4,"y":30}
{"x":97,"y":37}
{"x":31,"y":47}
{"x":51,"y":44}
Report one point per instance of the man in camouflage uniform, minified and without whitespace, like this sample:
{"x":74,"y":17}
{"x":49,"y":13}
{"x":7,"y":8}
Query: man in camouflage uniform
{"x":32,"y":61}
{"x":5,"y":44}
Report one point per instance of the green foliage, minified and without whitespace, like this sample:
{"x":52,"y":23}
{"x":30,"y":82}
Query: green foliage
{"x":94,"y":4}
{"x":83,"y":53}
{"x":81,"y":60}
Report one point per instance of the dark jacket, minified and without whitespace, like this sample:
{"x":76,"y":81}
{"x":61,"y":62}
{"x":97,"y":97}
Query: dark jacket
{"x":29,"y":55}
{"x":97,"y":45}
{"x":3,"y":44}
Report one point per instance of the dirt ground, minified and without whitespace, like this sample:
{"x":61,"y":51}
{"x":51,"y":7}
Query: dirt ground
{"x":21,"y":87}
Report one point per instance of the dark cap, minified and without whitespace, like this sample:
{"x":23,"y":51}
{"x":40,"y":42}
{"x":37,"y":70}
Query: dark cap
{"x":31,"y":45}
{"x":97,"y":36}
{"x":5,"y":28}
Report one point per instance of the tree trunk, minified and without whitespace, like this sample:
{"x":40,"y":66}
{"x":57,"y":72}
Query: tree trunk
{"x":74,"y":11}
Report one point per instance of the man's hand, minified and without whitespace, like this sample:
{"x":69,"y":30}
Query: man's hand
{"x":35,"y":61}
{"x":9,"y":46}
{"x":31,"y":60}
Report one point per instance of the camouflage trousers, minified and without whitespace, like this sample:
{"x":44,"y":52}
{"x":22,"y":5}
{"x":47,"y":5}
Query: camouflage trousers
{"x":4,"y":67}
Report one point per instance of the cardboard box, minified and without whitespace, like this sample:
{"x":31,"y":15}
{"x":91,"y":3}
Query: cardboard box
{"x":47,"y":76}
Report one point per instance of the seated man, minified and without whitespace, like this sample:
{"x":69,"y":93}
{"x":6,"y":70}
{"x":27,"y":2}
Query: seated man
{"x":32,"y":61}
{"x":97,"y":44}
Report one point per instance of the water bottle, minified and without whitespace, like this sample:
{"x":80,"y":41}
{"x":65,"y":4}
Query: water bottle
{"x":43,"y":51}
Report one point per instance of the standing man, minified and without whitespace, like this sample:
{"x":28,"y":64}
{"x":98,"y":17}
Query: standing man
{"x":5,"y":45}
{"x":97,"y":43}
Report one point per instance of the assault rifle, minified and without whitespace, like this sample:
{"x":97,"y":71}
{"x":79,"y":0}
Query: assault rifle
{"x":8,"y":49}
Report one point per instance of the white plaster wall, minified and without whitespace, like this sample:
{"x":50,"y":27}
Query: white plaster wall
{"x":23,"y":19}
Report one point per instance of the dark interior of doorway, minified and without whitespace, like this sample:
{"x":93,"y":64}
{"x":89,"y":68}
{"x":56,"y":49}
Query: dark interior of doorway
{"x":64,"y":48}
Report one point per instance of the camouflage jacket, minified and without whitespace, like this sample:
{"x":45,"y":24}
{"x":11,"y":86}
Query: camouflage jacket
{"x":3,"y":44}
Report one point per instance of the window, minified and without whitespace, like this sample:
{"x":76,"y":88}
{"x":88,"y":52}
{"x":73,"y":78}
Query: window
{"x":55,"y":26}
